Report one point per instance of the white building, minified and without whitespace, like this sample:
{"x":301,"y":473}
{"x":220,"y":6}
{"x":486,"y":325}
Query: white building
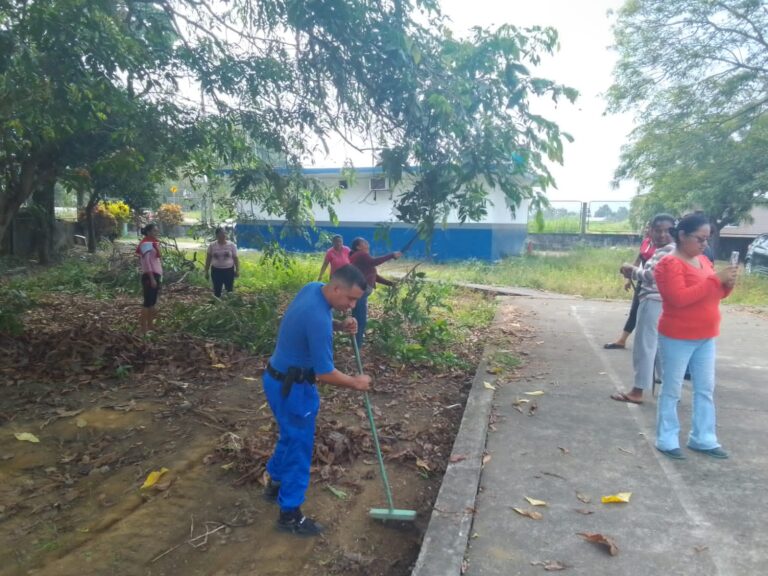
{"x":366,"y":209}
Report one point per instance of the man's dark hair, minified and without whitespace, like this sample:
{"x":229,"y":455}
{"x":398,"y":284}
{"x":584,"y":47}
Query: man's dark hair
{"x":350,"y":276}
{"x":663,"y":217}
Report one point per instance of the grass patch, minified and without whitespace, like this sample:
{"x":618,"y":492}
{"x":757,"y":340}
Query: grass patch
{"x":587,"y":272}
{"x":505,"y":360}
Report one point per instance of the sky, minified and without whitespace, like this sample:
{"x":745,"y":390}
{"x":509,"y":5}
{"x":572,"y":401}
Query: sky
{"x":584,"y":62}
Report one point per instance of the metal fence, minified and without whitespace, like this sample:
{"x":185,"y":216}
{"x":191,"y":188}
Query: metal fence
{"x":576,"y":217}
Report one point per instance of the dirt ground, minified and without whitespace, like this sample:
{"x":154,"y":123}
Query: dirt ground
{"x":108,"y":408}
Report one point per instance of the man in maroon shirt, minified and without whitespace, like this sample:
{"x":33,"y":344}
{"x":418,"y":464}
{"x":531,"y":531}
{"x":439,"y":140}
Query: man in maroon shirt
{"x":360,"y":257}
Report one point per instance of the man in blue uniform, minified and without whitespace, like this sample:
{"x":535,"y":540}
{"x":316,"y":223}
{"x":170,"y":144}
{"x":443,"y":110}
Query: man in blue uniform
{"x":304,"y":354}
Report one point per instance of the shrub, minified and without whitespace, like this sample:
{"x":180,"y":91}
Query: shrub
{"x":407,"y":327}
{"x":119,"y":210}
{"x":170,"y":215}
{"x":104,"y":223}
{"x":248,"y":321}
{"x":13,"y":303}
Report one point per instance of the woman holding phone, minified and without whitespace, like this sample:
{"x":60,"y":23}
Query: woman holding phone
{"x":690,"y":291}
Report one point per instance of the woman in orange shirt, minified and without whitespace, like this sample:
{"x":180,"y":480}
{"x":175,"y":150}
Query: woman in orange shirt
{"x":690,"y":291}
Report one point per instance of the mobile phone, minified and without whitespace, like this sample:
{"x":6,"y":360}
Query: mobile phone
{"x":735,"y":258}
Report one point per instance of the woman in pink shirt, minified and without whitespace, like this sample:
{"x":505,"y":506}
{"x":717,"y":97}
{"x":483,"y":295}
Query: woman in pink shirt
{"x":337,"y":256}
{"x":222,"y":255}
{"x":148,"y":251}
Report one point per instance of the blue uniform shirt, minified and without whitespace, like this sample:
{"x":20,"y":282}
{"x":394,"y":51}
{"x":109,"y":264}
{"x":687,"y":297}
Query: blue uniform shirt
{"x":305,"y":338}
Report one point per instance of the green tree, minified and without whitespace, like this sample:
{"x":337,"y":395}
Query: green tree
{"x":692,"y":61}
{"x":604,"y":211}
{"x":695,"y":72}
{"x":469,"y":126}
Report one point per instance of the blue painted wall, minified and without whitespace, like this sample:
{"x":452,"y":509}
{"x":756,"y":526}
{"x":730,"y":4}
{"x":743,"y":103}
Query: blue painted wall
{"x":480,"y":242}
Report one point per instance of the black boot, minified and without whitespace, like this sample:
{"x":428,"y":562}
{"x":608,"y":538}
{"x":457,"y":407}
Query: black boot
{"x":271,"y":491}
{"x":295,"y":522}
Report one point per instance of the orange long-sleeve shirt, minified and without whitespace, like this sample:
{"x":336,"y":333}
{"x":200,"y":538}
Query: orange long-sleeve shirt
{"x":690,"y":298}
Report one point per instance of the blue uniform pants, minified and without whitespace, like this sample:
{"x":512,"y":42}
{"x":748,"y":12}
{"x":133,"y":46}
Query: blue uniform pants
{"x":291,"y":459}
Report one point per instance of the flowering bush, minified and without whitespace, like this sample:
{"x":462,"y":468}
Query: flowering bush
{"x":170,"y":215}
{"x":119,"y":210}
{"x":104,"y":223}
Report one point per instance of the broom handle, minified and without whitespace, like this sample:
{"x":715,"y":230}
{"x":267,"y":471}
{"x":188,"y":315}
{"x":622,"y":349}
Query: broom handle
{"x":375,"y":435}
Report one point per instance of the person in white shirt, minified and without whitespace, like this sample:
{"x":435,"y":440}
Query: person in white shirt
{"x":221,"y":263}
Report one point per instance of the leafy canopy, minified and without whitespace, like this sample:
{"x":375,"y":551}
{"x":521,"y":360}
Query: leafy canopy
{"x":695,"y":72}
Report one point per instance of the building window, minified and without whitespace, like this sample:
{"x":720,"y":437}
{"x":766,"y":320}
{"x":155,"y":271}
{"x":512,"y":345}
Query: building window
{"x":379,"y":183}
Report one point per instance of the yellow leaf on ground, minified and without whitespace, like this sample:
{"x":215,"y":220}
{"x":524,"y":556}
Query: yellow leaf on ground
{"x":486,"y":459}
{"x":422,"y":464}
{"x":534,"y":502}
{"x":219,"y":366}
{"x":81,"y":422}
{"x":250,"y":378}
{"x":535,"y":393}
{"x":26,"y":437}
{"x":532,"y":514}
{"x":489,"y":386}
{"x":621,"y":497}
{"x":153,"y":477}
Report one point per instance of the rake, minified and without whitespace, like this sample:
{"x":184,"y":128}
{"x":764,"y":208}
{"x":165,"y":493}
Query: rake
{"x":390,"y":513}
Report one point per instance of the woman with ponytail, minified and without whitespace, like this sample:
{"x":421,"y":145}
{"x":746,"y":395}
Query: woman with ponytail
{"x":690,"y":291}
{"x":148,"y":252}
{"x":360,"y":257}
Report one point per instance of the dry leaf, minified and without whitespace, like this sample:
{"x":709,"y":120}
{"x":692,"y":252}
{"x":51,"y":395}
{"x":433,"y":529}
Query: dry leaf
{"x":422,"y":464}
{"x":535,"y":393}
{"x":550,"y":565}
{"x":701,"y":548}
{"x":249,"y":378}
{"x":81,"y":422}
{"x":153,"y":477}
{"x":340,"y":494}
{"x":520,"y":401}
{"x":486,"y":459}
{"x":563,"y":450}
{"x":494,"y":370}
{"x":457,"y":458}
{"x":583,"y":498}
{"x":601,"y":540}
{"x":219,"y":366}
{"x":620,"y":498}
{"x":26,"y":437}
{"x":534,"y":502}
{"x":489,"y":386}
{"x":585,"y":511}
{"x":532,"y":514}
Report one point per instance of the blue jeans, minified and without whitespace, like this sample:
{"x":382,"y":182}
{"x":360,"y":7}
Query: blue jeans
{"x":295,"y":416}
{"x":360,"y":313}
{"x":675,"y":356}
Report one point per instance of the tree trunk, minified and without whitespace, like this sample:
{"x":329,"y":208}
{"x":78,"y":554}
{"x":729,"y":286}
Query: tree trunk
{"x":43,"y":198}
{"x":17,"y":191}
{"x":89,"y":224}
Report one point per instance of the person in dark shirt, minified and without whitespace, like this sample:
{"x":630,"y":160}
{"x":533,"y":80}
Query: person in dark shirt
{"x":304,"y":354}
{"x":360,"y":257}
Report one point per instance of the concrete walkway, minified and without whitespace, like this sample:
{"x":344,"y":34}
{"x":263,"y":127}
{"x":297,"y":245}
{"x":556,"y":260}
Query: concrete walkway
{"x":694,"y":517}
